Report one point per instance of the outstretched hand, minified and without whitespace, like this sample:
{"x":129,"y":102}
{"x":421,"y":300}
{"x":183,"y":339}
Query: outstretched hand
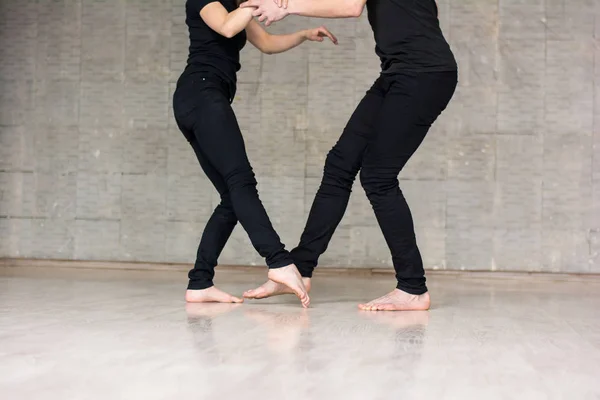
{"x":267,"y":11}
{"x":319,"y":34}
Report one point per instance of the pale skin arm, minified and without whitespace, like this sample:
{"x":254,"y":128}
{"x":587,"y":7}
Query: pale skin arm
{"x":326,"y":8}
{"x":269,"y":10}
{"x":284,"y":3}
{"x":272,"y":44}
{"x":226,"y":23}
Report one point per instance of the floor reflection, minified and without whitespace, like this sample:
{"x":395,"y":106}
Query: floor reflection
{"x":207,"y":311}
{"x":285,"y":331}
{"x":409,"y":332}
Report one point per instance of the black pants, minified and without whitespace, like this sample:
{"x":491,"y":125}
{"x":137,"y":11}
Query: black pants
{"x":203,"y":113}
{"x":386,"y":129}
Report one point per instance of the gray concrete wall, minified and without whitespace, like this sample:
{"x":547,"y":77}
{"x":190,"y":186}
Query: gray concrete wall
{"x":93,"y":167}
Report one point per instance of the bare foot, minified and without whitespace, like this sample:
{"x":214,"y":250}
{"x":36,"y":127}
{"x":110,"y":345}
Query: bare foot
{"x":286,"y":280}
{"x":210,"y":295}
{"x":398,"y":301}
{"x":271,"y":289}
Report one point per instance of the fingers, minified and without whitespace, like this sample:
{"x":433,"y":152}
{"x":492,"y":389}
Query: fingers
{"x":249,"y":3}
{"x":325,"y":31}
{"x":333,"y":38}
{"x":285,"y":3}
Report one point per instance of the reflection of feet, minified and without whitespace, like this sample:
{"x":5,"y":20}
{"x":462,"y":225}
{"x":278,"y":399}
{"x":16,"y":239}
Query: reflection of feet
{"x":289,"y":277}
{"x":295,"y":319}
{"x":284,"y":330}
{"x":208,"y":310}
{"x":210,"y":295}
{"x":400,"y":320}
{"x":398,"y":301}
{"x":271,"y":289}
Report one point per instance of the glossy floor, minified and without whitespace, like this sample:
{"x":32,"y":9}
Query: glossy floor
{"x":72,"y":334}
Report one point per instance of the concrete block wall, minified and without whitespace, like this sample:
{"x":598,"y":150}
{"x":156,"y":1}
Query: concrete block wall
{"x":93,"y":167}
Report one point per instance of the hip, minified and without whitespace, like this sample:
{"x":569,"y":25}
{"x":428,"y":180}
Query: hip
{"x":420,"y":92}
{"x":228,"y":80}
{"x":198,"y":91}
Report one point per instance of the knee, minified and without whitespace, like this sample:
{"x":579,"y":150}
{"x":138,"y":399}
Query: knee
{"x":377,"y":182}
{"x":339,"y":170}
{"x":240,"y":178}
{"x":225,"y":209}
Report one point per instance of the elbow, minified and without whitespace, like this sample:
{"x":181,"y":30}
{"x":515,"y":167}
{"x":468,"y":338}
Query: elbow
{"x":266,"y":44}
{"x":355,"y":8}
{"x":227,"y":32}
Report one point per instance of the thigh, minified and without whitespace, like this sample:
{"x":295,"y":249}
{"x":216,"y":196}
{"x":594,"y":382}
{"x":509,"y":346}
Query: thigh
{"x":411,"y":106}
{"x":361,"y":128}
{"x":211,"y":172}
{"x":218,"y":135}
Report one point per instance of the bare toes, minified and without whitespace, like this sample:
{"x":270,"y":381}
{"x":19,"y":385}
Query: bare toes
{"x":254,"y":293}
{"x":302,"y":296}
{"x":306,"y":302}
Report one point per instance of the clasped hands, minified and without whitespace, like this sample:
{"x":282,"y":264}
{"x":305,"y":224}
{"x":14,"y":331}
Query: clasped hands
{"x":268,"y":11}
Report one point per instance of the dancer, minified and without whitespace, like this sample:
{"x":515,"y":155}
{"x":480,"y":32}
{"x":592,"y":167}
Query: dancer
{"x":418,"y":79}
{"x":202,"y":108}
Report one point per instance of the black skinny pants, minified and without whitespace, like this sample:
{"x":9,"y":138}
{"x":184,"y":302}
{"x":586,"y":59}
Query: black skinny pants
{"x":204,"y":115}
{"x":386,"y":129}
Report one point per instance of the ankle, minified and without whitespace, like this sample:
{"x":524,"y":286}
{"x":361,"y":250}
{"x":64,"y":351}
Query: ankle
{"x":307,"y":283}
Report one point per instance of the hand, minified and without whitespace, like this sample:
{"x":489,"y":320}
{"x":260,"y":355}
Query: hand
{"x":318,"y":35}
{"x":266,"y":11}
{"x":281,"y":3}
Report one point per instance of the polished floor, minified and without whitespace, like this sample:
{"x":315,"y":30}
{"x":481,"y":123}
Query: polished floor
{"x":76,"y":334}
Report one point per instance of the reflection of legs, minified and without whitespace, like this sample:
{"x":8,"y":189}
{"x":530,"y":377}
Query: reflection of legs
{"x":409,"y":331}
{"x":284,"y":330}
{"x":410,"y":107}
{"x":341,"y":166}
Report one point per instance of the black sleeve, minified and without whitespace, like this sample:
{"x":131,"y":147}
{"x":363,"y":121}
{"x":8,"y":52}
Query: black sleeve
{"x":198,"y":5}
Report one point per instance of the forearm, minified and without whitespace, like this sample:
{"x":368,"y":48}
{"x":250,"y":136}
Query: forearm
{"x":236,"y":21}
{"x":226,"y":23}
{"x":326,"y":8}
{"x":280,"y":43}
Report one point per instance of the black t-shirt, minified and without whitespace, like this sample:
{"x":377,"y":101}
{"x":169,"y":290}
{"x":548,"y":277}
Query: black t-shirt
{"x":211,"y":52}
{"x":408,"y":36}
